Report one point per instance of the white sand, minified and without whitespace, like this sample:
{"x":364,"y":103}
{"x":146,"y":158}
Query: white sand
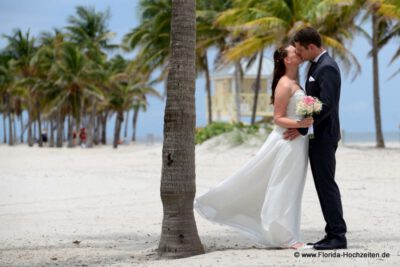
{"x":109,"y":201}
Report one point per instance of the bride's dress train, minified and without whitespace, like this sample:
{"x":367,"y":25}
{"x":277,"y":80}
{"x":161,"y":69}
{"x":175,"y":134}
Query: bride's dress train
{"x":263,"y":198}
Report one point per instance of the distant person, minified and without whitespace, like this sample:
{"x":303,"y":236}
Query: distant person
{"x":74,"y":135}
{"x":44,"y":136}
{"x":82,"y":137}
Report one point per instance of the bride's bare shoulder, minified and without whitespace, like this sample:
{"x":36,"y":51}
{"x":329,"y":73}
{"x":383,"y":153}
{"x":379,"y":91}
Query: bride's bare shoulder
{"x":286,"y":86}
{"x":284,"y":81}
{"x":283,"y":84}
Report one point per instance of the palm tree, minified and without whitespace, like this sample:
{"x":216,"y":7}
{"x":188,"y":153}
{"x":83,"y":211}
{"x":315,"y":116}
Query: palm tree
{"x":47,"y":53}
{"x":89,"y":30}
{"x":120,"y":93}
{"x":383,"y":15}
{"x":76,"y":78}
{"x":124,"y":88}
{"x":391,"y":34}
{"x":21,"y":47}
{"x":391,"y":9}
{"x":152,"y":36}
{"x":272,"y":22}
{"x":209,"y":35}
{"x":139,"y":104}
{"x":179,"y":237}
{"x":6,"y":81}
{"x":377,"y":106}
{"x":257,"y":87}
{"x":50,"y":51}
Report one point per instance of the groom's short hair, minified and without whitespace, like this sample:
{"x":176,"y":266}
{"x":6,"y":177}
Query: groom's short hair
{"x":307,"y":36}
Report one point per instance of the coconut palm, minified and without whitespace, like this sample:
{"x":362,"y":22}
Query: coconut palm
{"x":123,"y":89}
{"x":392,"y":33}
{"x":209,"y":35}
{"x":89,"y":29}
{"x":75,"y":77}
{"x":257,"y":87}
{"x":384,"y":14}
{"x":21,"y":47}
{"x":138,"y":104}
{"x":179,"y":237}
{"x":50,"y":51}
{"x":271,"y":23}
{"x":152,"y":37}
{"x":6,"y":86}
{"x":390,"y":10}
{"x":120,"y":93}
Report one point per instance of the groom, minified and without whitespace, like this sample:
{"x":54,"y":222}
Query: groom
{"x":323,"y":82}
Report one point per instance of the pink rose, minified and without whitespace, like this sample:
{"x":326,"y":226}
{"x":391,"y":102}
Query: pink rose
{"x":309,"y":100}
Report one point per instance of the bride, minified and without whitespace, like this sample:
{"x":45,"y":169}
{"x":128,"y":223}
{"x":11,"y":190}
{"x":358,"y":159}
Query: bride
{"x":263,"y":198}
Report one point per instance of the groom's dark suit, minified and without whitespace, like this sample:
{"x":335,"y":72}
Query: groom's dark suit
{"x":323,"y":82}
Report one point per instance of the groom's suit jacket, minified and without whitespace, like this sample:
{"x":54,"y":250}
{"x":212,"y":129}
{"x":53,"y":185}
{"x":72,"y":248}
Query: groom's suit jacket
{"x":323,"y":81}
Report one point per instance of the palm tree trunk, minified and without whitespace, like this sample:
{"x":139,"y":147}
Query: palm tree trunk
{"x":71,"y":131}
{"x":51,"y":141}
{"x":104,"y":127}
{"x":377,"y":105}
{"x":10,"y":130}
{"x":60,"y":128}
{"x":22,"y":128}
{"x":257,"y":86}
{"x":4,"y":128}
{"x":134,"y":123}
{"x":237,"y":89}
{"x":15,"y":129}
{"x":34,"y":132}
{"x":91,"y":125}
{"x":40,"y":130}
{"x":77,"y":128}
{"x":126,"y":125}
{"x":30,"y":137}
{"x":65,"y":130}
{"x":179,"y":237}
{"x":118,"y":122}
{"x":97,"y":130}
{"x":208,"y":88}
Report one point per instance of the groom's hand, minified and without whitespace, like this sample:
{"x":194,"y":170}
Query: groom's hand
{"x":291,"y":134}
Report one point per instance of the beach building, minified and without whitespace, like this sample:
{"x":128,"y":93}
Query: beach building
{"x":223,"y":96}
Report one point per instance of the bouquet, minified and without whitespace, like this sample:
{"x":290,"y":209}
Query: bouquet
{"x":307,"y":107}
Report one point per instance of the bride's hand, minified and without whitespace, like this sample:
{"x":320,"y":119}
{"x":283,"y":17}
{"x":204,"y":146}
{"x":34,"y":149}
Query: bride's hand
{"x":306,"y":122}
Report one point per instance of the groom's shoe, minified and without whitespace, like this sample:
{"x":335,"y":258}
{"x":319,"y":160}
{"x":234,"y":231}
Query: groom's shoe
{"x":326,"y":237}
{"x":337,"y":242}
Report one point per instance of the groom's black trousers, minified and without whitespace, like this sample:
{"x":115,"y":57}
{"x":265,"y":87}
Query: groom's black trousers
{"x":323,"y":165}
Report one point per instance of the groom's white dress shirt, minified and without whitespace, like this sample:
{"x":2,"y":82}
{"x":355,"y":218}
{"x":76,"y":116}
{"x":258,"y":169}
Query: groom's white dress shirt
{"x":317,"y":57}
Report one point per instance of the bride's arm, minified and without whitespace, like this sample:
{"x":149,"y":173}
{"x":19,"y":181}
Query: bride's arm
{"x":283,"y":93}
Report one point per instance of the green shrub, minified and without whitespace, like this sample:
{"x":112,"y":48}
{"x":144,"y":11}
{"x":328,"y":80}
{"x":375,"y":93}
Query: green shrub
{"x":238,"y":137}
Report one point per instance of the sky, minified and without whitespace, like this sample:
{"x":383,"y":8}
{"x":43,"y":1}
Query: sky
{"x":356,"y":104}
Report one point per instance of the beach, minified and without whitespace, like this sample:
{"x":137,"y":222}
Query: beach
{"x":102,"y":207}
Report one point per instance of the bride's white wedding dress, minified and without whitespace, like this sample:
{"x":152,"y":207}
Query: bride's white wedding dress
{"x":263,"y":198}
